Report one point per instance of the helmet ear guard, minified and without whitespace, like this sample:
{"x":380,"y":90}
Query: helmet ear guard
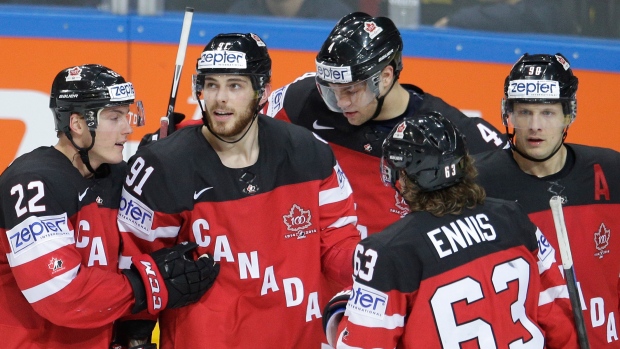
{"x":429,"y":148}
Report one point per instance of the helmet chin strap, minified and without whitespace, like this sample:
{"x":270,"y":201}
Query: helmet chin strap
{"x":380,"y":101}
{"x":206,"y":122}
{"x":83,"y":151}
{"x":515,"y":149}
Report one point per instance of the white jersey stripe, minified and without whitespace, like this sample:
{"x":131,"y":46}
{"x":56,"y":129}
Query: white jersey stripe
{"x":551,"y":294}
{"x":162,"y":232}
{"x":389,"y":322}
{"x":49,"y":287}
{"x":124,"y":262}
{"x":342,"y":221}
{"x":340,"y":193}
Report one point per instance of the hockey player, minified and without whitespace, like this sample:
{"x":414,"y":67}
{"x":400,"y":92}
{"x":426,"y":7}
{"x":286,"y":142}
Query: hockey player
{"x":353,"y":101}
{"x":460,"y":270}
{"x":59,"y":281}
{"x":538,"y":107}
{"x":266,"y":198}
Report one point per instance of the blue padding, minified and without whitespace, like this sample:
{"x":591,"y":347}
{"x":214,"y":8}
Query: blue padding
{"x":298,"y":34}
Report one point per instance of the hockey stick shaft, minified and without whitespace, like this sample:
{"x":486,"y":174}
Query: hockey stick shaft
{"x":167,"y":124}
{"x":569,"y":271}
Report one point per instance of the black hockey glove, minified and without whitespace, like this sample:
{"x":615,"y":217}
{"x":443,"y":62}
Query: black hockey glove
{"x":152,"y":137}
{"x":170,"y":278}
{"x":133,"y":334}
{"x":333,"y":313}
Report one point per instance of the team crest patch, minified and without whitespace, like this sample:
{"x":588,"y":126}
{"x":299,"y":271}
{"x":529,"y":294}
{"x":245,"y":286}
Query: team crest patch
{"x":372,"y":29}
{"x":258,"y":40}
{"x":601,"y":240}
{"x":400,"y":131}
{"x":296,"y":221}
{"x":75,"y":74}
{"x":401,"y":206}
{"x":56,"y":265}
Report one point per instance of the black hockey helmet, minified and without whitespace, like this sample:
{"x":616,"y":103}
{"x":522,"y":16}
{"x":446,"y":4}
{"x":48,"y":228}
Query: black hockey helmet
{"x":541,"y":78}
{"x":429,"y":148}
{"x":357,"y":48}
{"x":86,"y":89}
{"x":235,"y":53}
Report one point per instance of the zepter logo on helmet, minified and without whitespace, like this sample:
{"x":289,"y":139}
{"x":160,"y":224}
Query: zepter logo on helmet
{"x":235,"y":53}
{"x":87,"y":90}
{"x":540,"y":78}
{"x":352,"y":57}
{"x":430,"y":150}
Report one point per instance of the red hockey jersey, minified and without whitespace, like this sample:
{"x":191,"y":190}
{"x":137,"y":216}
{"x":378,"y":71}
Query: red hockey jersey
{"x":283,"y":230}
{"x":591,"y":191}
{"x":59,"y":277}
{"x":484,"y":279}
{"x":358,"y":148}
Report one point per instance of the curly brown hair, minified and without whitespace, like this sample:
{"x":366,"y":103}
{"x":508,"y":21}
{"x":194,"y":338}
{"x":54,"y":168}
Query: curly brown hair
{"x":451,"y":200}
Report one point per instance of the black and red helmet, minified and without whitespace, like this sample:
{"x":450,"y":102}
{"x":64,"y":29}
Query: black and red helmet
{"x":541,"y":78}
{"x":235,"y":53}
{"x":357,"y":48}
{"x":429,"y":148}
{"x":85,"y":89}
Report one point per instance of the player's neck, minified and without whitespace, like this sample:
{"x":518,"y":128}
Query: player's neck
{"x":395,"y":103}
{"x":68,"y":150}
{"x":243,"y":153}
{"x":545,"y":168}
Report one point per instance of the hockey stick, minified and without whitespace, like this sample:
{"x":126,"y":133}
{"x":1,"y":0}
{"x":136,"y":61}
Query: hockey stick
{"x":166,"y":124}
{"x":569,"y":271}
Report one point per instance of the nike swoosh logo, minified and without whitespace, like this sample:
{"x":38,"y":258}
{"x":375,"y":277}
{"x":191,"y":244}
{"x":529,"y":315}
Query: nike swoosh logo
{"x":316,"y":126}
{"x":81,"y":196}
{"x":198,"y":193}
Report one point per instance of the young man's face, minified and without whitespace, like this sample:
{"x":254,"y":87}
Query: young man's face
{"x":230,"y":101}
{"x":113,"y":130}
{"x":538,"y":127}
{"x":356,"y":100}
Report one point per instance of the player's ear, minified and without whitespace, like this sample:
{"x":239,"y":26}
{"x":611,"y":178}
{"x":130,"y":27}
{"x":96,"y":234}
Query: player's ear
{"x":266,"y":93}
{"x":76,"y":123}
{"x":387,"y":75}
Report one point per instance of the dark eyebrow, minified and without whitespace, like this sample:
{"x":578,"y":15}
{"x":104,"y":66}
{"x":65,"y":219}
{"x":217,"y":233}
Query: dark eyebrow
{"x":231,"y":79}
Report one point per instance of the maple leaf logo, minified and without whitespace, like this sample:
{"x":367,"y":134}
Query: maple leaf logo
{"x":601,"y":237}
{"x":55,"y":265}
{"x":297,"y":219}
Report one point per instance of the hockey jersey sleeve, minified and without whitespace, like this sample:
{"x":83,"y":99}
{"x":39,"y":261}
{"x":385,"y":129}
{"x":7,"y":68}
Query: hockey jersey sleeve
{"x":339,"y":235}
{"x":144,"y":227}
{"x":41,"y":244}
{"x":297,"y":92}
{"x":374,"y":316}
{"x":555,"y":315}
